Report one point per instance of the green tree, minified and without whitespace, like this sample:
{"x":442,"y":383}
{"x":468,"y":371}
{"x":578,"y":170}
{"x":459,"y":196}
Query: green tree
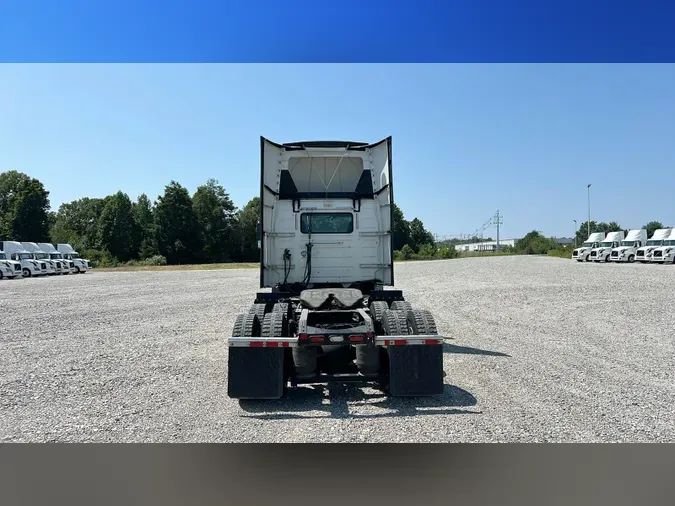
{"x":24,"y":208}
{"x":406,"y":252}
{"x":652,"y":227}
{"x":76,"y":223}
{"x":117,"y":229}
{"x":535,"y":244}
{"x":247,"y":223}
{"x":176,"y":227}
{"x":419,"y":235}
{"x":145,"y":225}
{"x":216,"y":214}
{"x":400,"y":228}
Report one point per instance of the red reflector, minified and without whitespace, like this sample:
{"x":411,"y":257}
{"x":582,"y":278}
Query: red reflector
{"x":256,"y":344}
{"x":432,"y":341}
{"x":369,"y":335}
{"x":400,"y":342}
{"x":284,"y":344}
{"x":356,"y":339}
{"x":272,"y":344}
{"x":303,"y":337}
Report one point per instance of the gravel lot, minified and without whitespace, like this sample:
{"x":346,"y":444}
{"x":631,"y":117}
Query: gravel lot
{"x":541,"y":349}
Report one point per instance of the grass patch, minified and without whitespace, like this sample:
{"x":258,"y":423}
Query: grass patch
{"x":195,"y":267}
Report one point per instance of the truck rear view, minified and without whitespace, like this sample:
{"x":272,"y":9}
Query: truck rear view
{"x":326,"y":255}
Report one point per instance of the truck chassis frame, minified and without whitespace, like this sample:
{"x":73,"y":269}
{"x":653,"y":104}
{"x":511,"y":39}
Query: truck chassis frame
{"x":324,"y":335}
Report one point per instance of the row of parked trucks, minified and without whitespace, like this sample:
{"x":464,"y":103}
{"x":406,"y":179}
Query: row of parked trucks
{"x":30,"y":259}
{"x":634,"y":247}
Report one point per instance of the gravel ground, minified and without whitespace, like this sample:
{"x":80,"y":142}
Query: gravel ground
{"x":541,"y":349}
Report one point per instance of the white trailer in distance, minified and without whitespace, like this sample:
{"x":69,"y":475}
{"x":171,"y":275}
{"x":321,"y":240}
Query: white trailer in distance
{"x":81,"y":265}
{"x":644,"y":255}
{"x":666,"y":253}
{"x":52,"y":267}
{"x":582,"y":254}
{"x":10,"y":269}
{"x":629,"y":246}
{"x":604,"y":251}
{"x":68,"y":265}
{"x":29,"y":265}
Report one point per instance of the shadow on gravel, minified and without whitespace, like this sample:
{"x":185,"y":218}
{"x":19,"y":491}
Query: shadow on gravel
{"x":467,"y":350}
{"x":349,"y":401}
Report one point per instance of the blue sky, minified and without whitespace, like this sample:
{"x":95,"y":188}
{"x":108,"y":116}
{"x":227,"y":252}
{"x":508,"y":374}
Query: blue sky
{"x":468,"y":139}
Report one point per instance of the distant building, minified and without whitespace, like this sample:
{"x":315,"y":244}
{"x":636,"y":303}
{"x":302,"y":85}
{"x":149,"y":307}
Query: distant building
{"x":565,"y":241}
{"x":485,"y":246}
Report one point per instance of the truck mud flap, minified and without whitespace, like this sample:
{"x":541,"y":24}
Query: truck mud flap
{"x":255,"y":373}
{"x":415,"y":370}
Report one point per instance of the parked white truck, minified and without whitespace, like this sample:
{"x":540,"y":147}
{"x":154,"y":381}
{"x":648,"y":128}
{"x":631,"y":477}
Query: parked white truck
{"x":666,"y":253}
{"x":52,"y":266}
{"x":629,"y":246}
{"x":10,"y":269}
{"x":327,"y":256}
{"x":67,"y":266}
{"x":604,"y":251}
{"x":644,"y":254}
{"x":29,"y":265}
{"x":583,"y":253}
{"x":82,"y":265}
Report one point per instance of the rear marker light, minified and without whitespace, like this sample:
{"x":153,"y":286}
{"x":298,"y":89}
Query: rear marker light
{"x":432,"y":341}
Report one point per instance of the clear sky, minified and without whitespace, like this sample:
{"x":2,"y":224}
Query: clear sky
{"x":468,"y":139}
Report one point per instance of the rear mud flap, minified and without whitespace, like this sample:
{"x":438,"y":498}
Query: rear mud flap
{"x":255,"y":373}
{"x":415,"y":370}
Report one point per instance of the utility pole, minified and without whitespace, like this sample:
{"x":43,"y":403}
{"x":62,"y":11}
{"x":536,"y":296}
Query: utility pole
{"x":498,"y":220}
{"x":575,"y":233}
{"x":589,"y":209}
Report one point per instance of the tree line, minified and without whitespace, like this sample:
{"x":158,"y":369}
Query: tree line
{"x":176,"y":228}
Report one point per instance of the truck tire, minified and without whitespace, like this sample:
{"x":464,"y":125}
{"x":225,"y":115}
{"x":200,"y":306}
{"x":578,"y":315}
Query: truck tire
{"x":275,"y":324}
{"x":376,"y":309}
{"x":259,"y":309}
{"x":421,"y":322}
{"x":238,"y":327}
{"x":281,"y":307}
{"x":394,"y":323}
{"x":401,"y":305}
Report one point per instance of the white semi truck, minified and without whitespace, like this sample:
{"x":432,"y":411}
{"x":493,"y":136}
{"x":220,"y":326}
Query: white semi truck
{"x":10,"y":269}
{"x":52,"y":266}
{"x":67,"y":267}
{"x":644,"y":254}
{"x":604,"y":251}
{"x":326,"y":254}
{"x":666,"y":253}
{"x":29,"y":265}
{"x":583,"y":253}
{"x":629,"y":246}
{"x":81,"y":265}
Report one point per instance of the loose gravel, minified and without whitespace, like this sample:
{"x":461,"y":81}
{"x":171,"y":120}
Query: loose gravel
{"x":540,"y":349}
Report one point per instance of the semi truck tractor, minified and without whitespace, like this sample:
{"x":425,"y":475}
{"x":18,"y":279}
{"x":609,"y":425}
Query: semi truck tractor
{"x":10,"y":269}
{"x":326,"y":261}
{"x":67,"y":266}
{"x":604,"y":251}
{"x":81,"y":265}
{"x":629,"y":246}
{"x":644,"y":255}
{"x":29,"y":265}
{"x":583,"y":253}
{"x":52,"y":266}
{"x":666,"y":253}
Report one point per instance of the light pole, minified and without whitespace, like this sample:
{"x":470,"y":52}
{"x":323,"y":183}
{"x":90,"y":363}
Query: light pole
{"x":588,"y":187}
{"x":575,"y":233}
